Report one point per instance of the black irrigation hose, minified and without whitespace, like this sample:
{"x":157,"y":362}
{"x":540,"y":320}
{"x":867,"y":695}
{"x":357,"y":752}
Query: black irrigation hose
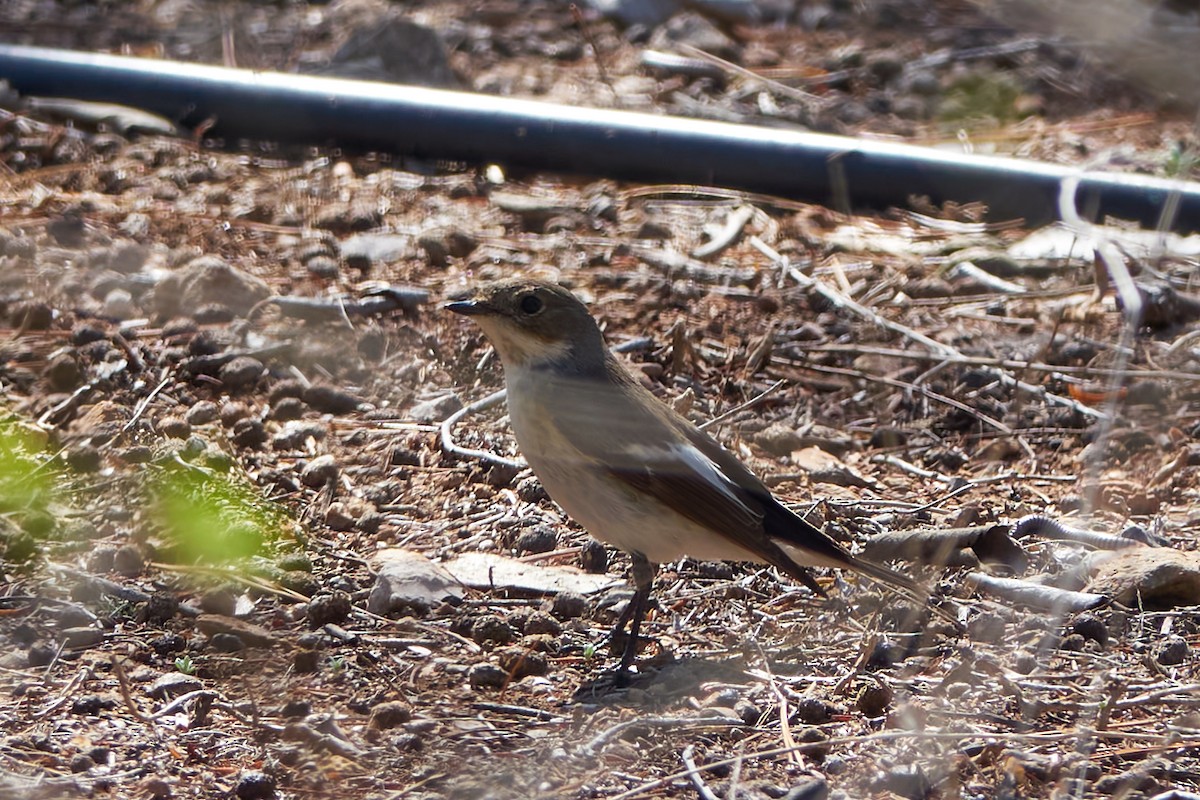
{"x":436,"y":124}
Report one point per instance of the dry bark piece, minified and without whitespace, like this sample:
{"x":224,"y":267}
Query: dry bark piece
{"x":990,"y":543}
{"x":1035,"y":595}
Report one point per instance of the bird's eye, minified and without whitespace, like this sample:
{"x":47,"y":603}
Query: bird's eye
{"x":531,"y":304}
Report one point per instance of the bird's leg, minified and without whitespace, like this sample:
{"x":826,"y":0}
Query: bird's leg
{"x":643,"y":581}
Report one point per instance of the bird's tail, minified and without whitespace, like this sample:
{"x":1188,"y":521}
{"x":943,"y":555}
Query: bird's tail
{"x":901,"y":584}
{"x":834,"y":555}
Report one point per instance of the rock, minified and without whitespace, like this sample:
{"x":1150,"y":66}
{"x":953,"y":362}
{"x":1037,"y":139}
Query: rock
{"x":539,"y":622}
{"x":306,"y":661}
{"x":118,"y":304}
{"x":538,"y":539}
{"x":692,"y":29}
{"x":436,"y":409}
{"x":873,"y":699}
{"x":487,"y":676}
{"x":408,"y":581}
{"x":1172,"y":652}
{"x":390,"y":714}
{"x":208,"y":281}
{"x":394,"y":49}
{"x":295,"y":435}
{"x":18,"y":787}
{"x":173,"y":684}
{"x":127,"y":561}
{"x":202,"y":413}
{"x":1148,"y":577}
{"x":68,"y":230}
{"x":490,"y":628}
{"x":227,"y":643}
{"x":488,"y":570}
{"x":174,"y":427}
{"x":322,"y":267}
{"x":31,"y":316}
{"x":81,"y":762}
{"x":521,"y":662}
{"x":808,"y":789}
{"x":332,"y":607}
{"x":330,"y":400}
{"x":371,"y":248}
{"x":82,"y":637}
{"x":248,"y":632}
{"x":241,"y":372}
{"x":63,"y":373}
{"x":319,"y":472}
{"x":232,"y":412}
{"x":127,"y":257}
{"x":593,"y":557}
{"x":568,"y":605}
{"x":254,"y":785}
{"x":287,"y":408}
{"x":249,"y":433}
{"x":907,"y":781}
{"x":1089,"y":626}
{"x":813,"y":711}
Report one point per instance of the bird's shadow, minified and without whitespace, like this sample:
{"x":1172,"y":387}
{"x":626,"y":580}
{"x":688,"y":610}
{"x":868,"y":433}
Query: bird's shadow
{"x":659,"y":684}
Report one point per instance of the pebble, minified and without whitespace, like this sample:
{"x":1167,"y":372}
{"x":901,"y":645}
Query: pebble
{"x":330,"y":400}
{"x":226,"y":643}
{"x":436,"y":409}
{"x":128,"y":561}
{"x":287,"y":408}
{"x":306,"y":661}
{"x":568,"y":605}
{"x":232,"y":412}
{"x":81,"y":762}
{"x":491,"y":628}
{"x":322,"y":267}
{"x":241,"y":372}
{"x":84,"y":458}
{"x":907,"y":781}
{"x":593,"y":557}
{"x":174,"y":427}
{"x":873,"y":700}
{"x":520,"y":662}
{"x":1089,"y":626}
{"x":319,"y":472}
{"x":538,"y":539}
{"x":539,"y":622}
{"x":391,"y":714}
{"x":295,"y":709}
{"x":325,"y":608}
{"x":808,"y":789}
{"x":487,"y":676}
{"x":254,"y":785}
{"x":812,"y":711}
{"x":202,"y":413}
{"x":63,"y":373}
{"x":249,"y":433}
{"x":1173,"y":651}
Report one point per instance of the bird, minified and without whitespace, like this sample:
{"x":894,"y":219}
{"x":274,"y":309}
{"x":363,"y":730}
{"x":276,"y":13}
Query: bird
{"x":626,"y":466}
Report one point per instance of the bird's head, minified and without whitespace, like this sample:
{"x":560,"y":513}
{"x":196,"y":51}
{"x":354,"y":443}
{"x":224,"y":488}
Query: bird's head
{"x":533,"y":323}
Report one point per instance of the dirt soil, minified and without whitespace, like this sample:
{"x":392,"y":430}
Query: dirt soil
{"x":212,"y":423}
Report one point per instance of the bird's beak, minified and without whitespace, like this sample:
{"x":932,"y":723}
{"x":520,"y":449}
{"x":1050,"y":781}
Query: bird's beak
{"x":469,"y":308}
